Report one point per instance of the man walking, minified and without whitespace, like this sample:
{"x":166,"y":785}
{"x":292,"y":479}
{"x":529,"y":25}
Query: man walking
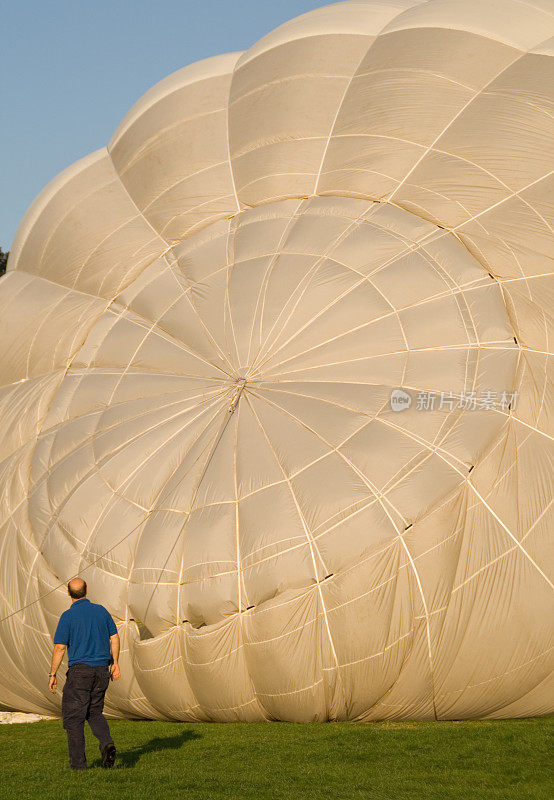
{"x":92,"y":641}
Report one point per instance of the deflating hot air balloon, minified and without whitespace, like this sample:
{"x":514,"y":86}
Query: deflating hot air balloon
{"x":276,"y":379}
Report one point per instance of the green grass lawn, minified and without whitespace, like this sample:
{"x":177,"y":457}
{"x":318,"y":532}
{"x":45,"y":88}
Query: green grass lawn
{"x":378,"y":761}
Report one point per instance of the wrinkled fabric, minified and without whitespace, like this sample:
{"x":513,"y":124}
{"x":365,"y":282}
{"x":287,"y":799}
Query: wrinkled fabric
{"x":276,"y":379}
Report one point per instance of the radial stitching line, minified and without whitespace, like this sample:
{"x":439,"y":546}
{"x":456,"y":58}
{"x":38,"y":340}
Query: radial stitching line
{"x":239,"y":566}
{"x":412,"y":248}
{"x":379,"y":419}
{"x":312,"y":546}
{"x":189,"y":292}
{"x":210,"y":390}
{"x":54,"y":517}
{"x":262,"y":294}
{"x":86,"y":543}
{"x":354,"y":223}
{"x":367,"y":278}
{"x":188,"y":514}
{"x":87,"y":442}
{"x":155,"y":328}
{"x":395,"y":313}
{"x":185,"y":292}
{"x":360,"y":219}
{"x":447,"y":348}
{"x":227,"y":302}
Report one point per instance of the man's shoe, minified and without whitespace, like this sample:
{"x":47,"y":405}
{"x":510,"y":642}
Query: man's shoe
{"x":108,"y":756}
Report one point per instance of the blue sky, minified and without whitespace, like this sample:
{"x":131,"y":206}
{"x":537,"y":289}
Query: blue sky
{"x":71,"y":70}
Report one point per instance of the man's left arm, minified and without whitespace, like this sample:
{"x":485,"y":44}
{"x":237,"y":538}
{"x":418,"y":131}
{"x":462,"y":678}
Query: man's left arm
{"x":57,"y":656}
{"x":114,"y":647}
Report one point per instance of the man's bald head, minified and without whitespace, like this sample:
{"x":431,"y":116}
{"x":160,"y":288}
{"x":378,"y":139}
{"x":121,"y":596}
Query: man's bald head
{"x":77,"y":588}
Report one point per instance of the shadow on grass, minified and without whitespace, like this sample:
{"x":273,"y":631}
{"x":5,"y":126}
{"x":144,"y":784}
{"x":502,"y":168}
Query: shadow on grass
{"x":129,"y":757}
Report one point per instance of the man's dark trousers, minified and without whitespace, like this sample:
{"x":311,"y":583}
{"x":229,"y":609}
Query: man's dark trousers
{"x":83,"y":699}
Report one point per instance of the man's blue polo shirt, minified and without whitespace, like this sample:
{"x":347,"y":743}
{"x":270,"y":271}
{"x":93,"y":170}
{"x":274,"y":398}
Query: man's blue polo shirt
{"x":86,"y":629}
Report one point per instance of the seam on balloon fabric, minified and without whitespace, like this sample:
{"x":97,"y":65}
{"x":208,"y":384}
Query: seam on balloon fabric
{"x":399,"y":535}
{"x":264,"y":283}
{"x":307,"y":279}
{"x":313,"y":546}
{"x":461,"y":111}
{"x":240,"y":612}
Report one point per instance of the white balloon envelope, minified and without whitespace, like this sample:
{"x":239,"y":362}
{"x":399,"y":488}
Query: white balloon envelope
{"x":276,"y":379}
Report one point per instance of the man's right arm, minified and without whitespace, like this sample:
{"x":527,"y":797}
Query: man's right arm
{"x":114,"y":647}
{"x":61,"y":640}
